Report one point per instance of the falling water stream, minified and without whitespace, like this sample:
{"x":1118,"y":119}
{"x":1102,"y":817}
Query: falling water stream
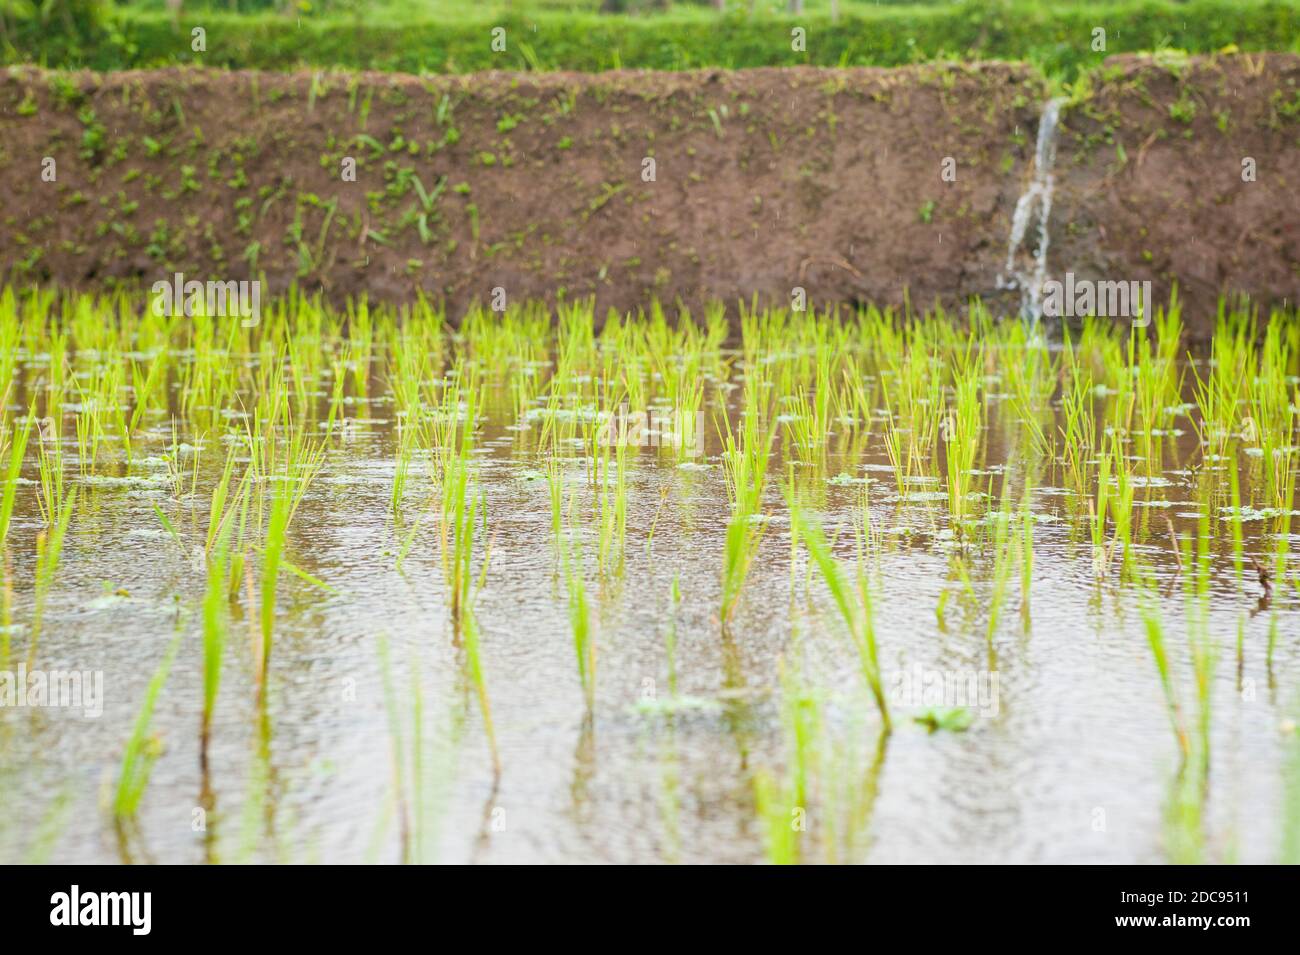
{"x":1033,"y":209}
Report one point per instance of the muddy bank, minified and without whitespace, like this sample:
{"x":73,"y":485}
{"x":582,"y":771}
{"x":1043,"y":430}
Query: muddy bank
{"x":629,"y":185}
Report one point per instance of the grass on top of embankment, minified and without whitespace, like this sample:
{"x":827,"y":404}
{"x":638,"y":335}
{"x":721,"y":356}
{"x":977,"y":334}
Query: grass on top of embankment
{"x":1060,"y":39}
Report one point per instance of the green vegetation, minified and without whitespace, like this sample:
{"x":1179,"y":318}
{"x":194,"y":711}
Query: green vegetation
{"x":898,"y":441}
{"x":142,"y":748}
{"x":852,"y":600}
{"x":343,"y":515}
{"x":1057,"y":37}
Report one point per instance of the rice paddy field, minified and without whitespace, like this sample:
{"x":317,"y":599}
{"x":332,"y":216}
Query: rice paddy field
{"x":746,"y":432}
{"x":743,"y":585}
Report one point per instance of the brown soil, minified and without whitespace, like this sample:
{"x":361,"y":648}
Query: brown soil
{"x":764,"y":180}
{"x":1152,"y":183}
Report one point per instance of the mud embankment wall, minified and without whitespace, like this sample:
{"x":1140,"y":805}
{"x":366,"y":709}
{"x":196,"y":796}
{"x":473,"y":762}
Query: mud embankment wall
{"x":856,"y":185}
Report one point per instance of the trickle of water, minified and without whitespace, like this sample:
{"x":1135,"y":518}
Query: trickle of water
{"x":1033,"y":210}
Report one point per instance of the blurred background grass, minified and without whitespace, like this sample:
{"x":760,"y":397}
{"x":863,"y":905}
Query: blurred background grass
{"x":591,"y":35}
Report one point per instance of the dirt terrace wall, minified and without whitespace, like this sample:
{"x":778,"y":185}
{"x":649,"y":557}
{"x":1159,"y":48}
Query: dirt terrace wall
{"x":762,"y":180}
{"x":1152,"y":168}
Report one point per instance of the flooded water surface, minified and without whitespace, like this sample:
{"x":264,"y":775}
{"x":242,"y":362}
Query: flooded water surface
{"x":831,"y":590}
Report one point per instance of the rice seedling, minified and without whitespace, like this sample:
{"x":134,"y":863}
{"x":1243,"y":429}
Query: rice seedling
{"x":961,"y":433}
{"x":146,"y":388}
{"x":1122,"y":506}
{"x":1234,"y":520}
{"x":361,"y":344}
{"x":808,"y":419}
{"x":779,"y":815}
{"x":1186,"y":807}
{"x":208,"y":382}
{"x":214,"y":645}
{"x":474,"y":665}
{"x":52,"y":826}
{"x":820,"y":803}
{"x":555,"y":493}
{"x":1031,"y":376}
{"x":1271,"y":425}
{"x":463,"y":514}
{"x":1185,"y":841}
{"x":1097,"y":512}
{"x":1154,"y":628}
{"x":49,"y":550}
{"x":744,"y":461}
{"x":399,"y":755}
{"x":1026,"y":553}
{"x":338,"y":388}
{"x":221,"y":509}
{"x":1281,"y":547}
{"x":272,"y":554}
{"x":1005,"y":545}
{"x":611,"y":494}
{"x":650,"y":535}
{"x":584,"y":644}
{"x":100,"y":406}
{"x":913,"y":396}
{"x":1157,"y":384}
{"x":854,"y":400}
{"x":11,"y":328}
{"x":855,"y":611}
{"x":1078,"y":431}
{"x":1219,"y":394}
{"x":142,"y":747}
{"x":406,"y":378}
{"x":50,"y":459}
{"x":302,"y":459}
{"x":460,"y":509}
{"x":215,"y":605}
{"x":684,"y":391}
{"x":783,"y":804}
{"x":407,"y":440}
{"x":13,"y":449}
